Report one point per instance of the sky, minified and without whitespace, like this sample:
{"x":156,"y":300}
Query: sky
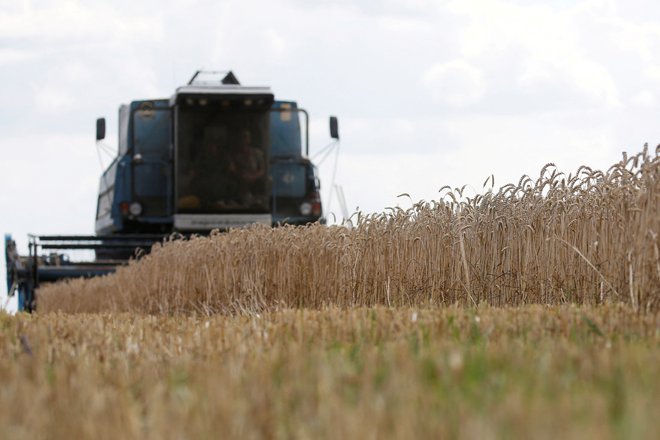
{"x":428,"y":92}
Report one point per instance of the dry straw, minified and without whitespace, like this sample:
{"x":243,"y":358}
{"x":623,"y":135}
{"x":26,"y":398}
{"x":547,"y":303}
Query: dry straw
{"x":586,"y":238}
{"x":361,"y":373}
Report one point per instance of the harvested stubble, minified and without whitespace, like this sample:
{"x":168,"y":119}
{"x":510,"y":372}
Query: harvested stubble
{"x":587,"y":238}
{"x":449,"y":372}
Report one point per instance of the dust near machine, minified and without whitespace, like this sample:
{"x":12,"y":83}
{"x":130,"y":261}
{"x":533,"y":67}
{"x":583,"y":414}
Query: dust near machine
{"x":216,"y":155}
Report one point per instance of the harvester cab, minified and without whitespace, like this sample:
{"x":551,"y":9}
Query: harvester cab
{"x":193,"y":163}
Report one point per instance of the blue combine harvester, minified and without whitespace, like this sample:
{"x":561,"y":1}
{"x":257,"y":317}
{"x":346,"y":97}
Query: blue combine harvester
{"x":216,"y":155}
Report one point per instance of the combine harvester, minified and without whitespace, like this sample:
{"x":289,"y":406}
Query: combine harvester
{"x":216,"y":155}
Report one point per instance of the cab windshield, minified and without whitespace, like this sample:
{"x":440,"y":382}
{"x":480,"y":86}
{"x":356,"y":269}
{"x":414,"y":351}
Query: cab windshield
{"x":221,"y":159}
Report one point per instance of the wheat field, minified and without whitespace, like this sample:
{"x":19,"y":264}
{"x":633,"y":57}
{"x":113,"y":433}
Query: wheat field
{"x":530,"y":311}
{"x":584,"y":238}
{"x":542,"y":372}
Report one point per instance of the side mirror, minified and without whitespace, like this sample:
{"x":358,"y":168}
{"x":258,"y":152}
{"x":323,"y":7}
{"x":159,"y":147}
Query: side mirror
{"x":100,"y":129}
{"x":334,"y":127}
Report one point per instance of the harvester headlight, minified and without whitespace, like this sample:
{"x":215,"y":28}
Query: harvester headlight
{"x":135,"y":209}
{"x":306,"y":208}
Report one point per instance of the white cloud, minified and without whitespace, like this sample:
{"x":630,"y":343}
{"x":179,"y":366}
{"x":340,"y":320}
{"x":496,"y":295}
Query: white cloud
{"x":14,"y":56}
{"x":73,"y":19}
{"x":457,"y":83}
{"x":276,"y":42}
{"x":645,"y":98}
{"x":52,"y":101}
{"x":588,"y":79}
{"x":547,"y":41}
{"x":653,"y":73}
{"x":405,"y":25}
